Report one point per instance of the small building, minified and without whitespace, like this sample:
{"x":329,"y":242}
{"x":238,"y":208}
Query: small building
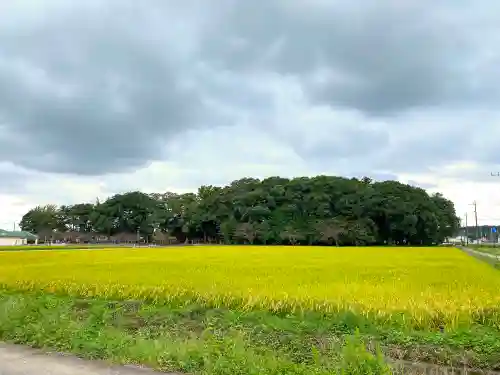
{"x":455,"y":240}
{"x":13,"y":238}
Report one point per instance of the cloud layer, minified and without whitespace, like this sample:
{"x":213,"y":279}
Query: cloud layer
{"x":102,"y":96}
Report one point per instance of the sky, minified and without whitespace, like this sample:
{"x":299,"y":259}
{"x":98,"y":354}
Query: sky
{"x":99,"y":97}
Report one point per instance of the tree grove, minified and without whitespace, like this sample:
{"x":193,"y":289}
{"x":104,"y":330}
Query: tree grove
{"x":315,"y":211}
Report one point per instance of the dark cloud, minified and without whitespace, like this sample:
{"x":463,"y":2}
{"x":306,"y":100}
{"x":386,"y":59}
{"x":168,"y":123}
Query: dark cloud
{"x":381,"y":57}
{"x":87,"y":93}
{"x":103,"y":86}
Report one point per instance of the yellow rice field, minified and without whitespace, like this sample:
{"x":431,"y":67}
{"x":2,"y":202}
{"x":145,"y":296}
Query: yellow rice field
{"x":425,"y":281}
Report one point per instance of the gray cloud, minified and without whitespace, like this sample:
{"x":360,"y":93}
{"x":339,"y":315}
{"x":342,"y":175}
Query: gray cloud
{"x":349,"y":145}
{"x":13,"y":179}
{"x":422,"y":152}
{"x":108,"y":86}
{"x":86,"y":93}
{"x":381,"y":57}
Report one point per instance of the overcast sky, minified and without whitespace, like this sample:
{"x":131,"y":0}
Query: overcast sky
{"x":99,"y":97}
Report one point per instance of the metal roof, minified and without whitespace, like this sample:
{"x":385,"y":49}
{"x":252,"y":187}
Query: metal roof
{"x":18,"y":234}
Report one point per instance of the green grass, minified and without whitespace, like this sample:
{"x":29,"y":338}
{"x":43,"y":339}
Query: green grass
{"x":175,"y":338}
{"x":199,"y":340}
{"x":488,"y":249}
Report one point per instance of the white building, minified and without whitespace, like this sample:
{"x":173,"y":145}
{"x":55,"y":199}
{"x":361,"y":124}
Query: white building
{"x":16,"y":238}
{"x":455,"y":240}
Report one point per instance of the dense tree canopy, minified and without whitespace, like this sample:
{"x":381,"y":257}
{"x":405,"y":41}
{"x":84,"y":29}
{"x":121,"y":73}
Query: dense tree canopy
{"x":317,"y":210}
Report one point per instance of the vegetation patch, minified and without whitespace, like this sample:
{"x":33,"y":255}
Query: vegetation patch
{"x":199,"y":340}
{"x":256,"y":310}
{"x":187,"y":339}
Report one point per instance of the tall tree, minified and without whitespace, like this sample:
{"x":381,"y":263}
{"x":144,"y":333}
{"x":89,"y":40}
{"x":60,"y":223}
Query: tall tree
{"x":42,"y":219}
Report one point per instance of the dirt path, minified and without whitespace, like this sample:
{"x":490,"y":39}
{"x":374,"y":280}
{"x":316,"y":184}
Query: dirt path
{"x":17,"y":360}
{"x":479,"y":253}
{"x":21,"y":360}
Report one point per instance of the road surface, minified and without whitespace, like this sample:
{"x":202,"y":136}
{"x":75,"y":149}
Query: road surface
{"x":16,"y":360}
{"x":479,"y":253}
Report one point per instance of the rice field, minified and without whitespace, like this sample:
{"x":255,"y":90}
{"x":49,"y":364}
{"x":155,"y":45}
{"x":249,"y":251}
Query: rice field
{"x":421,"y":283}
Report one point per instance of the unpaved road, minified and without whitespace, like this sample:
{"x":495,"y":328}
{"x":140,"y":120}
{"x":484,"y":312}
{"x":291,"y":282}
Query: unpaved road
{"x":479,"y":253}
{"x":20,"y":360}
{"x":16,"y":360}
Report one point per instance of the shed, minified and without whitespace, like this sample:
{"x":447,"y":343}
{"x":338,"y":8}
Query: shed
{"x":12,"y":238}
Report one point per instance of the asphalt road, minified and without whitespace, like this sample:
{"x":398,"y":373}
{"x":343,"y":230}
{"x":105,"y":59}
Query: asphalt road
{"x":17,"y":360}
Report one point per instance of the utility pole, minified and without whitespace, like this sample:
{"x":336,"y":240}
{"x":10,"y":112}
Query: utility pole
{"x":466,"y":231}
{"x":475,"y":216}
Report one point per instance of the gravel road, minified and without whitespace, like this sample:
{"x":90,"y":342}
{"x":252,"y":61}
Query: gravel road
{"x":16,"y":360}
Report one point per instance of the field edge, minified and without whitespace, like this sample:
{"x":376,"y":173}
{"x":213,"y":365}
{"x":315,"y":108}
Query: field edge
{"x":189,"y":338}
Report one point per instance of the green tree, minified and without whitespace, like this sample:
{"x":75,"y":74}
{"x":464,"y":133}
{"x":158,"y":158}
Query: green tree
{"x":304,"y":210}
{"x":43,"y":220}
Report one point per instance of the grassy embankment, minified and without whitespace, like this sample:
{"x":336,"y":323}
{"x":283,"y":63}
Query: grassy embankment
{"x":255,"y":310}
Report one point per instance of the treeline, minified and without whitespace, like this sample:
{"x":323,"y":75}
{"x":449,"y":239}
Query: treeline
{"x":318,"y":210}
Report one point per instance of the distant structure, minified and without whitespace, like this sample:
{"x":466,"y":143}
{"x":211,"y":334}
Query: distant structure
{"x":455,"y":240}
{"x":13,"y":238}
